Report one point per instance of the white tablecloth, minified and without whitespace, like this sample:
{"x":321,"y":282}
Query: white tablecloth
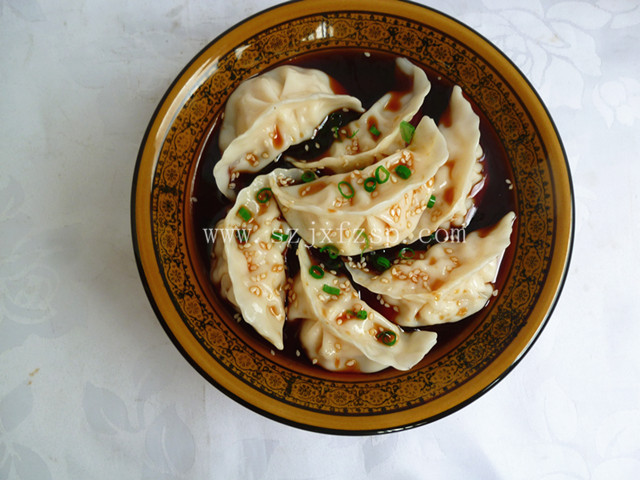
{"x":92,"y":388}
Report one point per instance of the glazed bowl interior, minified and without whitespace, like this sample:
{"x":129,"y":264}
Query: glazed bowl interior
{"x":174,"y":199}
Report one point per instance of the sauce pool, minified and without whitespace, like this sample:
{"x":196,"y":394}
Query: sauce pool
{"x":367,"y":77}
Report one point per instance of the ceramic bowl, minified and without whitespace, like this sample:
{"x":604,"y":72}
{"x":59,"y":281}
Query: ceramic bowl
{"x":475,"y":353}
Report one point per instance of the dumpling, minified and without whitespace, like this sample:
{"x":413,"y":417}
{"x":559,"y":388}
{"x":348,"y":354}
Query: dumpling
{"x":359,"y":146}
{"x":267,"y":114}
{"x":447,"y":283}
{"x":342,"y":337}
{"x":339,"y":210}
{"x":248,"y":263}
{"x":455,"y":180}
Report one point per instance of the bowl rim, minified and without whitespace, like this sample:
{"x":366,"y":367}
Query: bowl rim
{"x":509,"y":358}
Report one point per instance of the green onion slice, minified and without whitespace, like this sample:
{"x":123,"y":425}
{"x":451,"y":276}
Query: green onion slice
{"x":380,"y":171}
{"x":362,"y":314}
{"x":354,"y":133}
{"x":242,"y":235}
{"x":264,"y":195}
{"x":406,"y":131}
{"x":316,"y":272}
{"x":346,"y":185}
{"x":367,"y":244}
{"x":279,"y":236}
{"x":330,"y":290}
{"x":370,"y":184}
{"x":406,"y":253}
{"x":332,"y":250}
{"x":387,"y":337}
{"x":382,"y":262}
{"x":308,"y":176}
{"x":244,"y":213}
{"x":431,"y":202}
{"x":403,"y":171}
{"x":374,"y":130}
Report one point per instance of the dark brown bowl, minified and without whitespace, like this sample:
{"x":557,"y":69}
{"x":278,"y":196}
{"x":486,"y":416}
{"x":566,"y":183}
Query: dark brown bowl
{"x":474,"y":354}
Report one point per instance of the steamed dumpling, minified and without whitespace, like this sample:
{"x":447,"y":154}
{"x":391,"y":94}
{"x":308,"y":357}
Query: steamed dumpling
{"x":447,"y":283}
{"x":358,"y":146}
{"x":267,"y":114}
{"x":456,"y":178}
{"x":322,"y":214}
{"x":336,"y":337}
{"x":248,"y":259}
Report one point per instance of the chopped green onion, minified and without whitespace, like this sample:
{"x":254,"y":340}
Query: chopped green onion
{"x":350,"y":313}
{"x":403,"y":171}
{"x":330,"y":290}
{"x":354,"y":133}
{"x":341,"y":187}
{"x":407,"y":130}
{"x":316,"y":272}
{"x":387,"y":337}
{"x":370,"y":184}
{"x":432,"y":201}
{"x":406,"y":253}
{"x":362,"y":314}
{"x":374,"y":130}
{"x":367,"y":244}
{"x":244,"y":213}
{"x":264,"y":195}
{"x":308,"y":177}
{"x":384,"y":171}
{"x":242,"y":235}
{"x":279,"y":236}
{"x":382,"y":262}
{"x":332,"y":250}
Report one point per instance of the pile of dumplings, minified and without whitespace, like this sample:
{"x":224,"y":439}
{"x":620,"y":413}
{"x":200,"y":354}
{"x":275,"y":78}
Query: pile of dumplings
{"x":382,"y":183}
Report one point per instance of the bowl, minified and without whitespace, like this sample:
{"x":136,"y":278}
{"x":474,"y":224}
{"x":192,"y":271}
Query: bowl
{"x":169,"y":199}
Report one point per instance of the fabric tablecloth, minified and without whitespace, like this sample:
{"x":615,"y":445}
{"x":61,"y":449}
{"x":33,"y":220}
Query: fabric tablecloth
{"x":91,"y":386}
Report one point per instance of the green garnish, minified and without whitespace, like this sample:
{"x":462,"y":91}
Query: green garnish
{"x":432,"y":201}
{"x":244,"y":213}
{"x":403,"y":171}
{"x":335,"y":132}
{"x":316,"y":272}
{"x":374,"y":130}
{"x":387,"y":337}
{"x":242,"y":235}
{"x":354,"y":133}
{"x":330,"y":290}
{"x":264,"y":195}
{"x":406,"y":131}
{"x":384,"y":171}
{"x":279,"y":236}
{"x":308,"y":177}
{"x":341,"y":188}
{"x":362,"y":314}
{"x":406,"y":253}
{"x":382,"y":262}
{"x":370,"y":184}
{"x":332,"y":250}
{"x":367,"y":244}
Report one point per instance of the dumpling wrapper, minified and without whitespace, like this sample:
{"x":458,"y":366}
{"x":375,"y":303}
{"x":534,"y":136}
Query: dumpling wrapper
{"x":365,"y":148}
{"x":455,"y":180}
{"x":368,"y":220}
{"x":251,"y":275}
{"x":267,"y":114}
{"x":342,"y":341}
{"x":447,"y":283}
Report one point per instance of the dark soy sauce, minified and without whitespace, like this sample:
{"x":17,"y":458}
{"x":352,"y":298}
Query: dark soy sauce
{"x":366,"y":76}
